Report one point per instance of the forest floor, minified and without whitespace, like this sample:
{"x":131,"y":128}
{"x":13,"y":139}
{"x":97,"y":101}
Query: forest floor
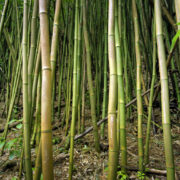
{"x":89,"y":165}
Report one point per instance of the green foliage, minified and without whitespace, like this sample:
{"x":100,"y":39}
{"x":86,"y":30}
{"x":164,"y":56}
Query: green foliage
{"x":15,"y":120}
{"x":56,"y":140}
{"x":2,"y":142}
{"x":140,"y":175}
{"x":175,"y":38}
{"x":19,"y":126}
{"x":14,"y":153}
{"x":11,"y":143}
{"x":122,"y":175}
{"x":106,"y":169}
{"x":13,"y":178}
{"x":13,"y":146}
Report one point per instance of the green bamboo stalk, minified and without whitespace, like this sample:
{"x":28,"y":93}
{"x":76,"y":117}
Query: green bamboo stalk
{"x":78,"y":97}
{"x":38,"y":111}
{"x":164,"y":95}
{"x":32,"y":56}
{"x":3,"y":15}
{"x":150,"y":108}
{"x":35,"y":79}
{"x":173,"y":75}
{"x":90,"y":82}
{"x":26,"y":123}
{"x":177,"y":7}
{"x":74,"y":100}
{"x":46,"y":129}
{"x":61,"y":67}
{"x":121,"y":133}
{"x":13,"y":96}
{"x":138,"y":86}
{"x":38,"y":166}
{"x":112,"y":122}
{"x":83,"y":93}
{"x":104,"y":105}
{"x":54,"y":46}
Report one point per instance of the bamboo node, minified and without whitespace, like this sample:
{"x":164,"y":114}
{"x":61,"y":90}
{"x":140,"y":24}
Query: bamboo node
{"x":42,"y":12}
{"x":46,"y":131}
{"x":46,"y":68}
{"x":56,"y":24}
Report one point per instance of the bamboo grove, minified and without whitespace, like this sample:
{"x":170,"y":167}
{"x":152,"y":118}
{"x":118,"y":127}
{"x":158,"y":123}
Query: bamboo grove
{"x":81,"y":66}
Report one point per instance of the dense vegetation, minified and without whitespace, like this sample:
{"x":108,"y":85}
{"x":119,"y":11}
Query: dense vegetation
{"x":68,"y":67}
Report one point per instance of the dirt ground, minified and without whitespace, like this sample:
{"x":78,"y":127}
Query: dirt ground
{"x":89,"y":165}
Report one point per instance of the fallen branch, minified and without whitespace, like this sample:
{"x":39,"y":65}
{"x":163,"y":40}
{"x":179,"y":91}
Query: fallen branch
{"x":150,"y":171}
{"x":11,"y":126}
{"x":153,"y":171}
{"x":106,"y":118}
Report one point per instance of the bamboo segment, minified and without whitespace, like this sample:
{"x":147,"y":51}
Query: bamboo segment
{"x":74,"y":101}
{"x":3,"y":15}
{"x":121,"y":138}
{"x":104,"y":106}
{"x":54,"y":46}
{"x":150,"y":108}
{"x":27,"y":147}
{"x":112,"y":122}
{"x":90,"y":82}
{"x":32,"y":55}
{"x":38,"y":167}
{"x":164,"y":95}
{"x":46,"y":129}
{"x":177,"y":6}
{"x":138,"y":86}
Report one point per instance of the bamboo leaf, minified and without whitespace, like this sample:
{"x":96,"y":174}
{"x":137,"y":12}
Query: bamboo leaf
{"x":19,"y":126}
{"x":175,"y":38}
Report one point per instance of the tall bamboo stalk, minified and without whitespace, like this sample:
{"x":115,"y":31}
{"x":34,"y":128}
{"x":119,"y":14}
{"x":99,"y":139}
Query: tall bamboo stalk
{"x":90,"y":82}
{"x":164,"y":94}
{"x":46,"y":129}
{"x":27,"y":147}
{"x":54,"y":46}
{"x":74,"y":101}
{"x":138,"y":86}
{"x":112,"y":122}
{"x":121,"y":99}
{"x":32,"y":55}
{"x":150,"y":108}
{"x":104,"y":106}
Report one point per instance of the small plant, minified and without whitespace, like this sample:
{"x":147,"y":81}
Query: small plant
{"x":13,"y":178}
{"x":14,"y":146}
{"x":141,"y":175}
{"x":122,"y":175}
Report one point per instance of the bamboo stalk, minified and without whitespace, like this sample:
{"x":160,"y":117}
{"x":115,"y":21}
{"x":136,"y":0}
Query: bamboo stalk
{"x":164,"y":95}
{"x":46,"y":129}
{"x":138,"y":86}
{"x":150,"y":108}
{"x":3,"y":15}
{"x":54,"y":46}
{"x":89,"y":78}
{"x":26,"y":123}
{"x":121,"y":133}
{"x":105,"y":98}
{"x":32,"y":55}
{"x":74,"y":100}
{"x":112,"y":122}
